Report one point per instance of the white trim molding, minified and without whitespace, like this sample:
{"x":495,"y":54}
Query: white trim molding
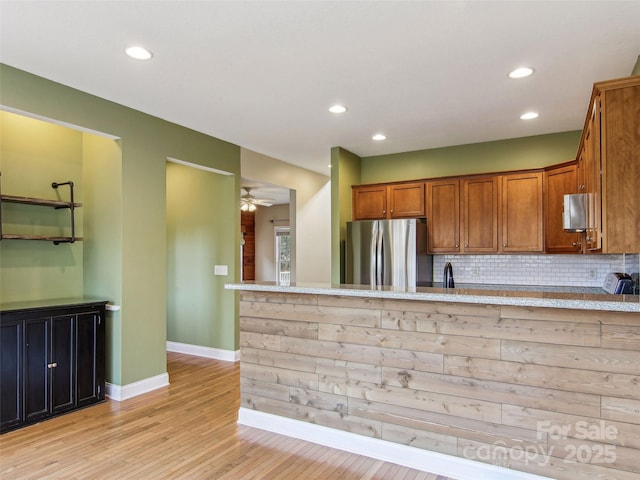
{"x":24,"y":113}
{"x":412,"y":457}
{"x":124,"y":392}
{"x":207,"y":352}
{"x":199,"y":167}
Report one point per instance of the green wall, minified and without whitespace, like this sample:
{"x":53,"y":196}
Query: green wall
{"x":102,"y":213}
{"x":33,"y":154}
{"x":140,"y":211}
{"x":502,"y":155}
{"x":345,"y":171}
{"x":198,"y":203}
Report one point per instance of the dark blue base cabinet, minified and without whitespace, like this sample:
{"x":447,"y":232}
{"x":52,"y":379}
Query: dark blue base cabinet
{"x":52,"y":359}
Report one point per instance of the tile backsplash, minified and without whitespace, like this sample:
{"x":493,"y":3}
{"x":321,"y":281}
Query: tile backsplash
{"x":552,"y":270}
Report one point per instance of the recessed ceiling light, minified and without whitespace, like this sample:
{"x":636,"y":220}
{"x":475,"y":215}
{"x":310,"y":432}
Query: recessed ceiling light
{"x":337,"y":109}
{"x":529,"y":116}
{"x":139,"y":53}
{"x":521,"y":72}
{"x":378,"y":137}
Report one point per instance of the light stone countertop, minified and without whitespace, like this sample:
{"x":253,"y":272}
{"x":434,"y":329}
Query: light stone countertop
{"x":525,"y":296}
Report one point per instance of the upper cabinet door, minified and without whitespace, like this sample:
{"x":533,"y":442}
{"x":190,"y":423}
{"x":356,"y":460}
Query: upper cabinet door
{"x":620,"y":147}
{"x":522,"y":225}
{"x":369,"y":202}
{"x":406,"y":200}
{"x":480,"y":214}
{"x":559,"y":182}
{"x":443,"y":216}
{"x":590,"y":153}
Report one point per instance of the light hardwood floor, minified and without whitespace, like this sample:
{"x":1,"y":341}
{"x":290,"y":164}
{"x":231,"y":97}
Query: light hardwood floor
{"x":185,"y":431}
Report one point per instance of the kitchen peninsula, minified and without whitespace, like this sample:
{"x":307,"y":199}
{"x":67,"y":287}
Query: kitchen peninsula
{"x":540,"y":383}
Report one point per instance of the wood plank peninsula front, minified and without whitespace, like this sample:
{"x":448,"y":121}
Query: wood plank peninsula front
{"x":526,"y":383}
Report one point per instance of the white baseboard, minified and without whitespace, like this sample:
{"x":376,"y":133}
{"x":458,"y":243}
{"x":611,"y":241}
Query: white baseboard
{"x":412,"y":457}
{"x":119,"y":393}
{"x":207,"y":352}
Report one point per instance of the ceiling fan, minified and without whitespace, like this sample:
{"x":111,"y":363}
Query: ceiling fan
{"x":248,"y":202}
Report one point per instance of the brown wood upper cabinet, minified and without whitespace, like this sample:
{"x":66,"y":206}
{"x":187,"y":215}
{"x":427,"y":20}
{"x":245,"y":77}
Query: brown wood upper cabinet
{"x":522,"y":224}
{"x":373,"y":202}
{"x":614,"y":125}
{"x":462,"y":215}
{"x":589,"y":177}
{"x":480,"y":214}
{"x":369,"y":202}
{"x":443,"y":216}
{"x":485,"y":214}
{"x":558,"y":182}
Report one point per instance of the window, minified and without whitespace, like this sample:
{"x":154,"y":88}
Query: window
{"x":283,"y":255}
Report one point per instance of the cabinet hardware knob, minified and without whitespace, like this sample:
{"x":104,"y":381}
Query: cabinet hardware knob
{"x":52,"y":365}
{"x":504,"y":244}
{"x":466,"y":245}
{"x":457,"y":246}
{"x":384,"y":211}
{"x":575,"y":244}
{"x":391,"y":211}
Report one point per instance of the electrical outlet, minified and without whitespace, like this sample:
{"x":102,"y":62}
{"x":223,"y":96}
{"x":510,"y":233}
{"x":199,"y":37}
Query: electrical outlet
{"x":592,"y":273}
{"x":476,"y":271}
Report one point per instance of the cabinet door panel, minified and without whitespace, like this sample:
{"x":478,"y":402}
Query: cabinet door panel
{"x":480,"y":214}
{"x":90,"y":371}
{"x":593,"y":182}
{"x":620,"y":127}
{"x":10,"y":375}
{"x":522,"y":213}
{"x":36,"y":372}
{"x":443,"y":216}
{"x":62,"y":356}
{"x":558,"y":183}
{"x":369,"y":203}
{"x":407,"y":200}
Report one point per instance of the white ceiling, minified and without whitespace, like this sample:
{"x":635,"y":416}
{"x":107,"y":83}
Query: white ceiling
{"x":262,"y":74}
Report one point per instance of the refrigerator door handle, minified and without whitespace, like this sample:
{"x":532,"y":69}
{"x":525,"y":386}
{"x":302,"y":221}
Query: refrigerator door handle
{"x":379,"y":255}
{"x":373,"y":264}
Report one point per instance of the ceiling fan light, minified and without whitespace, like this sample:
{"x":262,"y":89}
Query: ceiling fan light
{"x":244,"y":207}
{"x":252,"y":207}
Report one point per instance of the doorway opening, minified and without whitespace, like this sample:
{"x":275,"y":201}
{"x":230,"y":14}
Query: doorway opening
{"x":283,"y":254}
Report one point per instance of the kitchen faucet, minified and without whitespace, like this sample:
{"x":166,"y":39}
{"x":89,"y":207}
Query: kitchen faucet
{"x":447,"y":280}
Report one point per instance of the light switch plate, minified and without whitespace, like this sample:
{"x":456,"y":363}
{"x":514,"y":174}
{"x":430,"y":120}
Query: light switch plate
{"x":221,"y":270}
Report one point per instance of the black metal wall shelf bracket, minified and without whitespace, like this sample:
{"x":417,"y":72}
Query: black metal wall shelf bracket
{"x":57,"y":204}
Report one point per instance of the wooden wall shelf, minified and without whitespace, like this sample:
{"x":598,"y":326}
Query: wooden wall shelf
{"x":37,"y":201}
{"x":43,"y":202}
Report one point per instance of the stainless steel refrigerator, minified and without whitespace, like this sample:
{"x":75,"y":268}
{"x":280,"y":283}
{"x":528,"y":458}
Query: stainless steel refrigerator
{"x":388,"y":252}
